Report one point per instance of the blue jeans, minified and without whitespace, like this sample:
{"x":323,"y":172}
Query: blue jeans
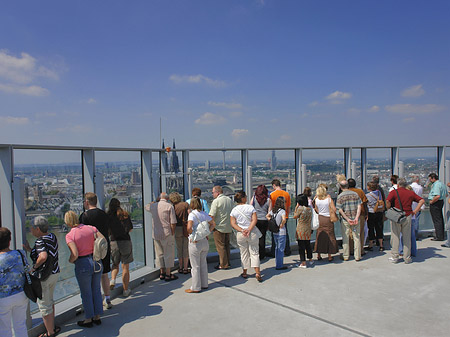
{"x":89,"y":283}
{"x":280,"y":243}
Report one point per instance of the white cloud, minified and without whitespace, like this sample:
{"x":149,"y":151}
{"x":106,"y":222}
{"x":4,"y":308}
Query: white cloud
{"x":23,"y":69}
{"x":315,"y":103}
{"x":14,"y":120}
{"x":414,"y":91}
{"x":91,"y":101}
{"x":209,"y":118}
{"x":374,"y":108}
{"x":414,"y":109}
{"x":226,"y":105}
{"x":196,"y":79}
{"x":32,"y":90}
{"x":338,"y":97}
{"x":237,"y":133}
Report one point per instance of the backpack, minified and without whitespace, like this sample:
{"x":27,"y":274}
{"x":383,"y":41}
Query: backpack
{"x":100,"y":247}
{"x":273,"y":226}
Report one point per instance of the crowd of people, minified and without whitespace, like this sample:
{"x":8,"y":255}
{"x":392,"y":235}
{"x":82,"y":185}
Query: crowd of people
{"x":187,"y":226}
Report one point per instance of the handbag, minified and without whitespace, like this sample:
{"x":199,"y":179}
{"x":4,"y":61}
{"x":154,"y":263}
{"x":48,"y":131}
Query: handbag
{"x":201,"y":232}
{"x":32,"y":286}
{"x":315,"y":220}
{"x":379,"y":205}
{"x":273,"y":226}
{"x":100,"y":247}
{"x":395,"y":214}
{"x":333,"y":216}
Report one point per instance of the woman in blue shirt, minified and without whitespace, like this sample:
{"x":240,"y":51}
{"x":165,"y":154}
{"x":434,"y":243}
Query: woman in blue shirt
{"x":13,"y":299}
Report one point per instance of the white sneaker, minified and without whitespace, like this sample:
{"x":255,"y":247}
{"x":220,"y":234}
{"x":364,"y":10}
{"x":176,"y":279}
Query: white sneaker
{"x":393,"y":260}
{"x":303,"y":266}
{"x":108,"y":304}
{"x":126,"y":293}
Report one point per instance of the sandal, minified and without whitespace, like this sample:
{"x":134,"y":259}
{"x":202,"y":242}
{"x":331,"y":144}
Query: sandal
{"x":330,"y":259}
{"x":171,"y":277}
{"x":57,"y":329}
{"x":244,"y":275}
{"x":381,"y":249}
{"x":186,"y":271}
{"x":180,"y":271}
{"x":259,"y":278}
{"x":319,"y":258}
{"x":45,"y":334}
{"x":162,"y":276}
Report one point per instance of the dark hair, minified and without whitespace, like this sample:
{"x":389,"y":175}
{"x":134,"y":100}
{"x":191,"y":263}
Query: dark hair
{"x":394,"y":178}
{"x":196,"y":192}
{"x":239,"y":196}
{"x":5,"y":237}
{"x":280,"y":203}
{"x":302,"y":200}
{"x":307,"y":191}
{"x":433,"y":176}
{"x":371,"y":185}
{"x":114,"y":209}
{"x":376,"y":179}
{"x":261,"y":194}
{"x":91,"y":198}
{"x":351,"y":182}
{"x":196,"y":204}
{"x":276,"y":182}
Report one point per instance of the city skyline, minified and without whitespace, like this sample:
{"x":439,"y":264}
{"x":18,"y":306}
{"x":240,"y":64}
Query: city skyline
{"x":260,"y":73}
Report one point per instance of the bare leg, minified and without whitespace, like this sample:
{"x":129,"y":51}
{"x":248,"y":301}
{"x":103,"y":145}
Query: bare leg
{"x":105,"y":284}
{"x":185,"y":263}
{"x":49,"y":322}
{"x":114,"y":272}
{"x":125,"y":275}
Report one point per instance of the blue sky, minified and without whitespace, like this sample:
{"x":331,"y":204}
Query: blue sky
{"x":240,"y":73}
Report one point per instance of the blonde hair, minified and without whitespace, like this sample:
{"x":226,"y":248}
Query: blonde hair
{"x":325,"y":186}
{"x":321,"y":192}
{"x":71,"y":219}
{"x":340,"y":177}
{"x":196,"y":204}
{"x":175,"y":197}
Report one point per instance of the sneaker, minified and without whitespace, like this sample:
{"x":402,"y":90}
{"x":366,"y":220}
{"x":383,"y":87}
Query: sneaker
{"x":445,"y":246}
{"x":408,"y":261}
{"x":126,"y":293}
{"x":303,"y":266}
{"x":393,"y":260}
{"x":112,"y":285}
{"x":108,"y":304}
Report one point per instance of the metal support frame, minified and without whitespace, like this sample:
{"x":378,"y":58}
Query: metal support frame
{"x":147,"y":197}
{"x":249,"y":189}
{"x":244,"y":163}
{"x":187,"y":182}
{"x":162,"y":170}
{"x":19,"y":212}
{"x":88,"y":160}
{"x":299,"y":183}
{"x":6,"y":192}
{"x":401,"y":169}
{"x":441,"y":163}
{"x":363,"y":167}
{"x":348,"y":162}
{"x":395,"y":155}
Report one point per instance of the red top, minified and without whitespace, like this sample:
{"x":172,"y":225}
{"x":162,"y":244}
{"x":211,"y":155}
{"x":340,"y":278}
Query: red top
{"x":406,"y":196}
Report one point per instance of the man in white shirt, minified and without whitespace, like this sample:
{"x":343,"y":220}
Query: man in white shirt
{"x":418,"y":189}
{"x":394,"y":179}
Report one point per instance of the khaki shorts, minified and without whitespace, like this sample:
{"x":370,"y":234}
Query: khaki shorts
{"x":48,"y":287}
{"x":121,"y":251}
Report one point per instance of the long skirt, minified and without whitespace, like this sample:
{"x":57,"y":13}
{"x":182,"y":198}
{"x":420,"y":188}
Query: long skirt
{"x":325,"y":238}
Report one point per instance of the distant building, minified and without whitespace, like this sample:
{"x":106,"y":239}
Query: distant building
{"x":174,"y":164}
{"x":135,"y":178}
{"x":207,"y":165}
{"x":273,"y":161}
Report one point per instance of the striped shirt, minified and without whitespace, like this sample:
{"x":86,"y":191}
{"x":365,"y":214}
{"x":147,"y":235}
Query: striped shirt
{"x":348,"y":201}
{"x":46,"y":243}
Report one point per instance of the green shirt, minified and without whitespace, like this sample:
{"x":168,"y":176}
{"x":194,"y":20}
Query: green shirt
{"x":438,"y":188}
{"x":221,"y":208}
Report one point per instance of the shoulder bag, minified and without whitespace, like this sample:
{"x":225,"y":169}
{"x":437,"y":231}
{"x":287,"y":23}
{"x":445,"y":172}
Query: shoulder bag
{"x":395,"y":214}
{"x":32,"y":286}
{"x":100,"y":247}
{"x":333,"y":216}
{"x":201,"y":232}
{"x":379,"y":205}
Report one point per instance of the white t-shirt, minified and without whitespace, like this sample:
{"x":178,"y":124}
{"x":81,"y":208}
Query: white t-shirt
{"x":279,"y":219}
{"x":418,"y":189}
{"x":323,"y":206}
{"x":196,"y":217}
{"x":243,"y":215}
{"x":393,"y":187}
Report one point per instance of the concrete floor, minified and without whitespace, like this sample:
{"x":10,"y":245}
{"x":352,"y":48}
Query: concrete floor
{"x":369,"y":298}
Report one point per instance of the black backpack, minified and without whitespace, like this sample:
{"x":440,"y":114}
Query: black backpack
{"x":273,"y":226}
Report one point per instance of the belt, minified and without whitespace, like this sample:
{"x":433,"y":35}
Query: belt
{"x":80,"y":257}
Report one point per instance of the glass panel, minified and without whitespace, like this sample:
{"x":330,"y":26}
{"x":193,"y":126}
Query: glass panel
{"x":52,"y":185}
{"x":173,"y":164}
{"x":122,"y":179}
{"x":210,"y":168}
{"x":356,"y":166}
{"x":420,"y":162}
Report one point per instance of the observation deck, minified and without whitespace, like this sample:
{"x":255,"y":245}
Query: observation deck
{"x":372,"y":297}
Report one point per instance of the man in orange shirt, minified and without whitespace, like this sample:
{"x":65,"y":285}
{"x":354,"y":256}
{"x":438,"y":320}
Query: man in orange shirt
{"x":278,"y":192}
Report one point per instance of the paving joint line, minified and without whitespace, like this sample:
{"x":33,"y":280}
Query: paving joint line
{"x":293,"y":309}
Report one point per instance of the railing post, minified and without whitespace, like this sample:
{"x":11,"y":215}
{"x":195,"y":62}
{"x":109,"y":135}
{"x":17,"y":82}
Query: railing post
{"x":401,"y":169}
{"x":88,"y":160}
{"x":100,"y":190}
{"x":186,"y":175}
{"x":6,"y":192}
{"x":441,"y":163}
{"x":244,"y":163}
{"x":363,"y":168}
{"x":299,"y":184}
{"x":395,"y":153}
{"x":163,"y":163}
{"x":348,"y":162}
{"x":147,"y":197}
{"x":19,"y":212}
{"x":249,"y":189}
{"x":304,"y":177}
